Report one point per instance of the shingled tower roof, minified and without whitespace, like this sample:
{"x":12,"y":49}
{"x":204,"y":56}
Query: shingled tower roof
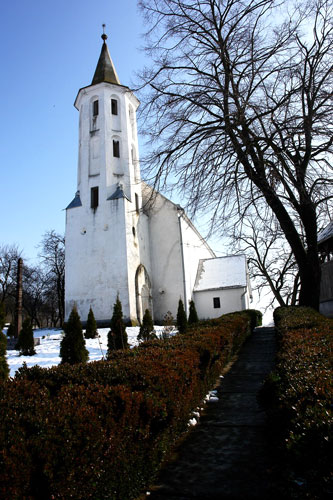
{"x":105,"y":70}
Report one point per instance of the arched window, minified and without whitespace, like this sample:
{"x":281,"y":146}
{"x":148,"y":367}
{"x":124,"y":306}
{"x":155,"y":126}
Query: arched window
{"x":116,"y":149}
{"x":115,"y":110}
{"x":95,"y":107}
{"x":114,"y":107}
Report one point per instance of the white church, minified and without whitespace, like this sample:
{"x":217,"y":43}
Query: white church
{"x":122,"y":241}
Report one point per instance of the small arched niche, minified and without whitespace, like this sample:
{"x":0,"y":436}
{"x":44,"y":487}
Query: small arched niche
{"x":135,"y":163}
{"x":131,"y":114}
{"x":143,"y":291}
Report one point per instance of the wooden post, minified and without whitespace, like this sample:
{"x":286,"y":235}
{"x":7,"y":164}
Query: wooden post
{"x":18,"y":309}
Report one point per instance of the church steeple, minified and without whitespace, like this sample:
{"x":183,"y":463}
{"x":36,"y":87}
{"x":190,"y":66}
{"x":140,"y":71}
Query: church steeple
{"x":105,"y":70}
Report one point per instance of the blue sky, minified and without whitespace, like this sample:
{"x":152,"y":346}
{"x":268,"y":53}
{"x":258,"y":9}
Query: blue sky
{"x":49,"y":50}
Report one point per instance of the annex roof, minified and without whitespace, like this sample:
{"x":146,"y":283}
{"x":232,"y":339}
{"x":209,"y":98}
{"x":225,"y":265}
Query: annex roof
{"x":221,"y":272}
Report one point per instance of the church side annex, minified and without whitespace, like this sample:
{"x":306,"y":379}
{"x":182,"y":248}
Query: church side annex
{"x":150,"y":254}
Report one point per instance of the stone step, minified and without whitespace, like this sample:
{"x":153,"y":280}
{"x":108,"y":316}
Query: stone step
{"x":264,"y":329}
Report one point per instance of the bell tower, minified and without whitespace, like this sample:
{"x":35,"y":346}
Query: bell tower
{"x":103,"y":225}
{"x":108,"y":145}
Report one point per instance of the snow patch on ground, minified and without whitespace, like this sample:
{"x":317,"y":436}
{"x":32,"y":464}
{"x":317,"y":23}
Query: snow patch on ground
{"x":212,"y":396}
{"x":47,"y":353}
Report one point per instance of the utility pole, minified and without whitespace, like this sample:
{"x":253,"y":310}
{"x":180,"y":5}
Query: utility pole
{"x":18,"y":308}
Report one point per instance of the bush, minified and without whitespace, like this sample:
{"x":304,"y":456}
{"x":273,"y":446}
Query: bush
{"x":301,"y":395}
{"x":25,"y":342}
{"x":147,"y":328}
{"x":117,"y":337}
{"x":91,"y":327}
{"x":101,"y":430}
{"x":73,"y":347}
{"x":256,"y":317}
{"x":181,"y":317}
{"x":193,"y":315}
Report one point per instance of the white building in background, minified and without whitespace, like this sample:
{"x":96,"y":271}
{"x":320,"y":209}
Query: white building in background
{"x":121,"y":240}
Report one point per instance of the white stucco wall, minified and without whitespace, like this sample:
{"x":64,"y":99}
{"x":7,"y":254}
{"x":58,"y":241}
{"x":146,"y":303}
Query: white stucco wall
{"x":175,"y":249}
{"x":95,"y":265}
{"x":166,"y":259}
{"x":194,"y":249}
{"x":231,"y":300}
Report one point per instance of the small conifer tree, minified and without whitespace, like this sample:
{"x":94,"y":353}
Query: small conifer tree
{"x":193,"y":315}
{"x":117,"y":336}
{"x":4,"y":370}
{"x":91,"y":328}
{"x":147,"y":327}
{"x":181,"y":317}
{"x":2,"y":316}
{"x":11,"y":330}
{"x":73,"y":346}
{"x":25,"y":342}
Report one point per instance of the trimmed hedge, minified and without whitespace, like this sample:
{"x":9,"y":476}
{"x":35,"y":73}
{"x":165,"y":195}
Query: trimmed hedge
{"x":100,"y":430}
{"x":302,"y":389}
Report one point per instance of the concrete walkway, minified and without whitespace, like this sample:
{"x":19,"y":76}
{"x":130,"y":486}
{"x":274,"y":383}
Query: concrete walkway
{"x":227,"y":456}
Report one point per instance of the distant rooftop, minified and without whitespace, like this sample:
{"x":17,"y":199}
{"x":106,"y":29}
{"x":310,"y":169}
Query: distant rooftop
{"x":221,"y":272}
{"x":325,"y":234}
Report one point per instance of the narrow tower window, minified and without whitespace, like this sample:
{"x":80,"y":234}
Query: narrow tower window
{"x":114,"y":106}
{"x":116,"y":151}
{"x":94,"y":197}
{"x":95,"y":108}
{"x":136,"y":203}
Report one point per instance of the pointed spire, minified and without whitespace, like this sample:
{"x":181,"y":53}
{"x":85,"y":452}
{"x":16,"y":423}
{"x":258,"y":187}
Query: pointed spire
{"x":105,"y":70}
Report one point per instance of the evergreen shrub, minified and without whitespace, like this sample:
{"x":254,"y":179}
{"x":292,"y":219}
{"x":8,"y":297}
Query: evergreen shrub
{"x":117,"y":336}
{"x":181,"y":317}
{"x":73,"y":347}
{"x":25,"y":342}
{"x":11,"y":330}
{"x":147,"y":328}
{"x":193,"y":315}
{"x":91,"y":326}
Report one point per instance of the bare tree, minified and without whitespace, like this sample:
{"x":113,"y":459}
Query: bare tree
{"x":238,"y":104}
{"x":272,"y":265}
{"x":9,"y":255}
{"x":34,"y":293}
{"x":53,"y":260}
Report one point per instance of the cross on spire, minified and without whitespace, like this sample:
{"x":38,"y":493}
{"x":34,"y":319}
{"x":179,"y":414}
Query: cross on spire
{"x":104,"y":36}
